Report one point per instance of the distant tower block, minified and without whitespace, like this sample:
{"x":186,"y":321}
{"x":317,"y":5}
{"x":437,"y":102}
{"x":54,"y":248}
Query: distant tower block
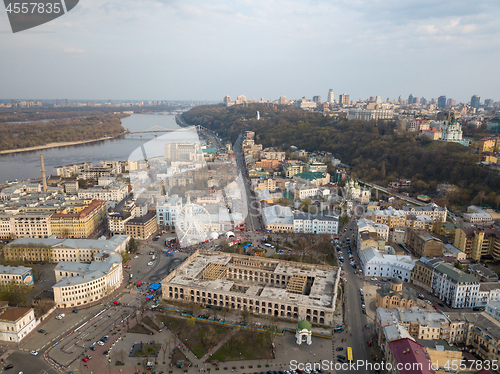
{"x":258,"y":115}
{"x":44,"y":178}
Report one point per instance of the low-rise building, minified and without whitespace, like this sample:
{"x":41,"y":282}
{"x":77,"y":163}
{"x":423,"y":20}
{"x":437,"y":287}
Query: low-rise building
{"x":278,"y":218}
{"x":482,"y":273}
{"x":16,"y":274}
{"x":16,"y":322}
{"x":488,"y":292}
{"x":315,"y":223}
{"x":408,"y":357}
{"x":376,"y":264}
{"x":167,"y":210}
{"x":394,"y":295}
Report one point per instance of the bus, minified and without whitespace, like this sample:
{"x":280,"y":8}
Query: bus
{"x":349,"y":354}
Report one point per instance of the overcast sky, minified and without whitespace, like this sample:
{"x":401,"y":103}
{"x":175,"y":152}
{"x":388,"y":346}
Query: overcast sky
{"x":167,"y":50}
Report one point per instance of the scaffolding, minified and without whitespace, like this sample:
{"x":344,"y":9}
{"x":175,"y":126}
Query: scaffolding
{"x":297,"y":284}
{"x":214,"y":271}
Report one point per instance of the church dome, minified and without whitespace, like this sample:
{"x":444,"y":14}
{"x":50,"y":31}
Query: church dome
{"x":396,"y":280}
{"x":304,"y":325}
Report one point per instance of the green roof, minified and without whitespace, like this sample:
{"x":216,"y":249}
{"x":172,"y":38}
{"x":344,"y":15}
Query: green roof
{"x":208,"y":150}
{"x":456,"y":274}
{"x":310,"y":175}
{"x":304,"y":325}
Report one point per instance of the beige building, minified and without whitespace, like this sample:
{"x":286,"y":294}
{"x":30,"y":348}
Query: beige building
{"x":422,"y":272}
{"x":142,"y":227}
{"x":476,"y":242}
{"x":15,"y":322}
{"x":78,"y":221}
{"x":422,"y":244}
{"x":263,"y":286}
{"x":394,"y":295}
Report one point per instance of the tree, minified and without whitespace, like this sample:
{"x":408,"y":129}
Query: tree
{"x":191,"y":322}
{"x":382,"y":170}
{"x":497,"y":201}
{"x":132,"y":245}
{"x":480,"y":196}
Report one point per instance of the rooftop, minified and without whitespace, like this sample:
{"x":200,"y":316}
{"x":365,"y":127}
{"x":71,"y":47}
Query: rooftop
{"x":408,"y":351}
{"x":192,"y":274}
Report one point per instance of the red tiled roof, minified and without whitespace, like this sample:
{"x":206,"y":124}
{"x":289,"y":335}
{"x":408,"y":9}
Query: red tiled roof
{"x":407,"y":351}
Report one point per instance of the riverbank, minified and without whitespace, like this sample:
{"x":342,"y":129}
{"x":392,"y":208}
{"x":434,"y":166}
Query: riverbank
{"x":61,"y":144}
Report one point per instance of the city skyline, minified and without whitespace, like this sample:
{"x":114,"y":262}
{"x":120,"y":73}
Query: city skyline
{"x":198,"y":51}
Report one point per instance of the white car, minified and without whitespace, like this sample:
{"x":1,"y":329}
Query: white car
{"x":136,"y":256}
{"x":33,"y":352}
{"x":151,"y":263}
{"x":374,"y":279}
{"x":100,"y":343}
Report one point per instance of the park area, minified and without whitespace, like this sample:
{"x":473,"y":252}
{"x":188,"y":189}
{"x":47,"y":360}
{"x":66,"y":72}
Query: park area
{"x":245,"y":345}
{"x":198,"y":336}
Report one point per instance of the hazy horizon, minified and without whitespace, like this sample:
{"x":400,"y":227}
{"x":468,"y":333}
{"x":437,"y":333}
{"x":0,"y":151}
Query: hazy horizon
{"x":195,"y":50}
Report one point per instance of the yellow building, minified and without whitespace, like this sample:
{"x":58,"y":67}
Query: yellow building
{"x":476,"y":242}
{"x":491,"y":144}
{"x":78,"y":221}
{"x":142,"y":227}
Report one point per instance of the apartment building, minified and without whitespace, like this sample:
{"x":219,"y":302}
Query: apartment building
{"x":478,"y":242}
{"x":423,"y":272}
{"x":78,"y":221}
{"x":422,"y":244}
{"x":454,"y":287}
{"x":167,"y":210}
{"x":115,"y":191}
{"x":142,"y":227}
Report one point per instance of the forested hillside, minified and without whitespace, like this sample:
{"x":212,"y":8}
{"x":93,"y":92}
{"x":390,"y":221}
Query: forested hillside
{"x":376,"y":152}
{"x":23,"y":135}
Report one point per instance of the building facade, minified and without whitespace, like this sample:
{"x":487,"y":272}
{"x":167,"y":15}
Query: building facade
{"x":261,"y":286}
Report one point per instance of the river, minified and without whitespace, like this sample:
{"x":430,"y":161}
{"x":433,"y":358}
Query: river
{"x":26,"y":165}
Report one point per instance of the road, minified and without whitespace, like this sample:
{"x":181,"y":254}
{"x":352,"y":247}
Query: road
{"x":254,"y":217}
{"x":357,"y":333}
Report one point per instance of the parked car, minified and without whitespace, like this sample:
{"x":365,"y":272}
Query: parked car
{"x":42,"y":331}
{"x":374,"y":279}
{"x":127,"y":266}
{"x":85,"y":359}
{"x":369,"y":343}
{"x":75,"y":311}
{"x":339,"y":349}
{"x":33,"y":352}
{"x":151,"y":263}
{"x":9,"y":366}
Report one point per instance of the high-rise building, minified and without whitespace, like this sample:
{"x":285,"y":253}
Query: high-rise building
{"x":331,"y":98}
{"x":227,"y":99}
{"x":442,"y":102}
{"x":474,"y":101}
{"x":378,"y":100}
{"x":410,"y":99}
{"x":241,"y":99}
{"x":423,"y":101}
{"x":344,"y":99}
{"x":317,"y":99}
{"x":282,"y":100}
{"x":488,"y":103}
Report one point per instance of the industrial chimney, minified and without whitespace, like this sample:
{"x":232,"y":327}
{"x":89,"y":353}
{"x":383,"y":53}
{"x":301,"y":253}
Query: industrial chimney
{"x":44,"y":178}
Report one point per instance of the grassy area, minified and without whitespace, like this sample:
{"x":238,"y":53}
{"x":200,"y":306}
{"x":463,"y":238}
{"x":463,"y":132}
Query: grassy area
{"x":139,"y":329}
{"x":177,"y":356}
{"x":245,"y":345}
{"x":150,"y":323}
{"x":199,"y":338}
{"x":148,"y":350}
